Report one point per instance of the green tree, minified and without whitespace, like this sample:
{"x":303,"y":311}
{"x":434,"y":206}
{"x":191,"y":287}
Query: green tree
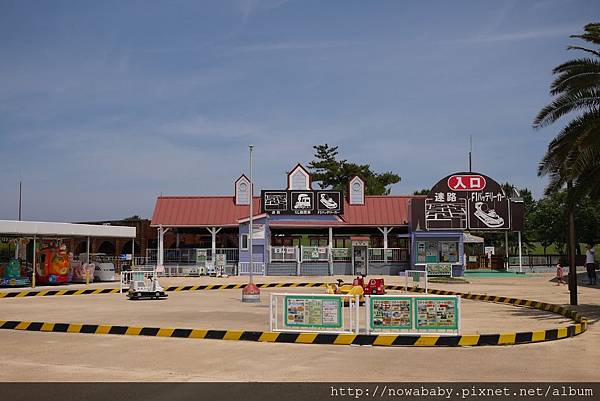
{"x":422,"y":192}
{"x":333,"y":173}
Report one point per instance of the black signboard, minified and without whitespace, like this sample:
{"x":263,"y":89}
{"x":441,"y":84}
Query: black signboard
{"x":466,"y":201}
{"x":298,"y":202}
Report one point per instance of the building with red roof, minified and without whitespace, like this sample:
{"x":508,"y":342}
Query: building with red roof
{"x":304,"y":231}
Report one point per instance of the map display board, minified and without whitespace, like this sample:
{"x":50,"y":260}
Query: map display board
{"x":439,"y":269}
{"x":467,"y":201}
{"x":439,"y":313}
{"x":391,"y":313}
{"x":313,"y":311}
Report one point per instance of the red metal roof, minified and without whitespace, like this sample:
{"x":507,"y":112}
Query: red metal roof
{"x":388,"y":210}
{"x":201,"y":211}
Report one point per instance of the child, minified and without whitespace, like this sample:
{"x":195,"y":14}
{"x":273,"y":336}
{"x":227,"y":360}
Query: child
{"x":559,"y":274}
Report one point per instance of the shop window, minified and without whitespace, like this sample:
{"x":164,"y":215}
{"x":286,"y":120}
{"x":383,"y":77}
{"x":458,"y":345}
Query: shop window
{"x":285,"y":241}
{"x":318,"y":241}
{"x":376,"y":242}
{"x":437,"y":251}
{"x":244,"y":242}
{"x":342,"y":243}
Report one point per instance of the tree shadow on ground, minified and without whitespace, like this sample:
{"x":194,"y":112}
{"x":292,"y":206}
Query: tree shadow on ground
{"x":590,"y":311}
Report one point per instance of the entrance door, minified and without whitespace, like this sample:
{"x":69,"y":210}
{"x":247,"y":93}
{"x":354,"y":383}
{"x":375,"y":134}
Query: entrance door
{"x":359,"y":260}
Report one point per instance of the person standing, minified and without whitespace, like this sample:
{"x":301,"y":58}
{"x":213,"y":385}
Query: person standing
{"x":590,"y":264}
{"x":560,"y":273}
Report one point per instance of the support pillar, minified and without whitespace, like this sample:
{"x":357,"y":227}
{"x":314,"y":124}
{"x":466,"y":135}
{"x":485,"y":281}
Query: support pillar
{"x":385,"y":231}
{"x":213,"y":233}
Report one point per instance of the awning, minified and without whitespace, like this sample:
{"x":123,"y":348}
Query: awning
{"x":472,"y":239}
{"x":51,"y":229}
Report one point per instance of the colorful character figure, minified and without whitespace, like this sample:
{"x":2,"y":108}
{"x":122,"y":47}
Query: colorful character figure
{"x":82,"y":272}
{"x":53,"y":266}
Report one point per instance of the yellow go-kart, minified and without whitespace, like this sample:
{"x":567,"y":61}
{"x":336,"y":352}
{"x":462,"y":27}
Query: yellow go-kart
{"x":358,"y":287}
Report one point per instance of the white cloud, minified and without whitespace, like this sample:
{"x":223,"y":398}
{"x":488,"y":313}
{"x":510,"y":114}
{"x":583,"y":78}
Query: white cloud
{"x":516,"y":36}
{"x":285,"y":46}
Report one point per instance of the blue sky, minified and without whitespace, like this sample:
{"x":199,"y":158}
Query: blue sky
{"x":106,"y":104}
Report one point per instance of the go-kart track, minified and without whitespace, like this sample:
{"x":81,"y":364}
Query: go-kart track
{"x":493,"y":313}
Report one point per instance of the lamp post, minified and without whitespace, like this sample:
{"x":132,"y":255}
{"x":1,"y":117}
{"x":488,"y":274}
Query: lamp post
{"x":251,"y":293}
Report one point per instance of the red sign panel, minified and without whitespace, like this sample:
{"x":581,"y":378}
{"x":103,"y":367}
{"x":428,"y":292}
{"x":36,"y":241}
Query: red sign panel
{"x":466,"y":182}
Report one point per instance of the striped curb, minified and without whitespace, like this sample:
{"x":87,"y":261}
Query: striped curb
{"x":428,"y":340}
{"x":305,"y":338}
{"x":97,"y":291}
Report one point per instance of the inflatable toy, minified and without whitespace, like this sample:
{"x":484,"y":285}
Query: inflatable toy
{"x":53,"y":265}
{"x":12,"y":275}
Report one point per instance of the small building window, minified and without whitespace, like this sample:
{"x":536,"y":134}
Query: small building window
{"x":244,"y":242}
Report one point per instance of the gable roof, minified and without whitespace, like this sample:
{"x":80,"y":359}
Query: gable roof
{"x":221,"y":211}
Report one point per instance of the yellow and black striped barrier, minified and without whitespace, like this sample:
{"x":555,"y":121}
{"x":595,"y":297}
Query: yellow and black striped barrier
{"x":427,"y":340}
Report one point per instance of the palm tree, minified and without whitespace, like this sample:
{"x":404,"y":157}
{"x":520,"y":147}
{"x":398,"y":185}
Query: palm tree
{"x":573,"y":156}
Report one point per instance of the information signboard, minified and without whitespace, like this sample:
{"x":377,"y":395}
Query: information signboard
{"x":309,"y":202}
{"x":201,"y":257}
{"x":439,"y":269}
{"x":391,"y":313}
{"x":313,"y":311}
{"x":439,"y":313}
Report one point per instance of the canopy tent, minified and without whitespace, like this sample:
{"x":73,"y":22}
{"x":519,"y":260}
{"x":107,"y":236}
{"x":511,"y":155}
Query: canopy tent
{"x":38,"y":229}
{"x":472,"y":239}
{"x":51,"y":229}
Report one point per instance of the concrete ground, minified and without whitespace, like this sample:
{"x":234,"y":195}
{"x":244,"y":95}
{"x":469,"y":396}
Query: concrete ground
{"x":35,"y":356}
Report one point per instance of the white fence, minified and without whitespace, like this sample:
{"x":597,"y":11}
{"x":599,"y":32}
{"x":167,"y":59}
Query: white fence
{"x":182,"y":256}
{"x":393,"y":255}
{"x":257,"y":268}
{"x":341,"y":254}
{"x":314,"y":254}
{"x":320,"y":313}
{"x":283,"y":254}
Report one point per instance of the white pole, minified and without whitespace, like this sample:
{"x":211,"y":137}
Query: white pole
{"x":133,"y":252}
{"x":213,"y":235}
{"x":87,"y":250}
{"x":250,"y":227}
{"x":385,"y":244}
{"x":33,"y":264}
{"x":159,"y":257}
{"x":520,"y":255}
{"x":506,"y":249}
{"x":330,"y":248}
